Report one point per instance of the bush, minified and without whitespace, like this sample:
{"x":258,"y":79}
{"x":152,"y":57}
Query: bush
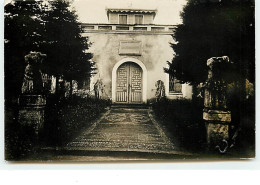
{"x":19,"y":140}
{"x":64,"y":119}
{"x":183,"y":122}
{"x":243,"y":118}
{"x":178,"y":110}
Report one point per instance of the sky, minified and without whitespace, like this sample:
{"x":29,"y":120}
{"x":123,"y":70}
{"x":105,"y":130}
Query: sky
{"x":93,"y":11}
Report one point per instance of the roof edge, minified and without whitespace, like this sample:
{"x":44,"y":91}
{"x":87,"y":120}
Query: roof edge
{"x":131,"y":10}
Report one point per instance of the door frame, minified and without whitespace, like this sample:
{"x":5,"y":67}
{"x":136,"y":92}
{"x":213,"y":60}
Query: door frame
{"x":114,"y":76}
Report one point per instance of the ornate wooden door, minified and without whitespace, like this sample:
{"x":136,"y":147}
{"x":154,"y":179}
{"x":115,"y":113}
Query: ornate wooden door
{"x":129,"y":83}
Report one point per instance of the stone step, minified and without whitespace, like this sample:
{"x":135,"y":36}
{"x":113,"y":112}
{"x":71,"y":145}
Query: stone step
{"x":130,"y":106}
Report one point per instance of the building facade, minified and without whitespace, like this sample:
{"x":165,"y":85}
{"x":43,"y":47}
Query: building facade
{"x":131,"y":53}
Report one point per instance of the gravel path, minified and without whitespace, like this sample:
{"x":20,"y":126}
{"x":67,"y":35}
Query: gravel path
{"x":124,"y":129}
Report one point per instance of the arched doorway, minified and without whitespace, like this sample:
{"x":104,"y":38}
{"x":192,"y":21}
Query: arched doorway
{"x":129,"y":82}
{"x":129,"y":86}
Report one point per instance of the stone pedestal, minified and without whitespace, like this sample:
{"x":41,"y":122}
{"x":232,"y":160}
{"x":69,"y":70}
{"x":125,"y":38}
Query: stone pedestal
{"x":31,"y":112}
{"x":216,"y":114}
{"x":217,"y":126}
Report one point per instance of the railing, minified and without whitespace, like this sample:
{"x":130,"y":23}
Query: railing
{"x":127,"y":28}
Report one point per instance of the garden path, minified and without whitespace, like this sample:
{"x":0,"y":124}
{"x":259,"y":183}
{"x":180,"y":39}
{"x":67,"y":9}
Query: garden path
{"x":124,"y":129}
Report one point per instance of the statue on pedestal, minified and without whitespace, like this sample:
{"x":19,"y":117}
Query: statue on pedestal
{"x":32,"y":102}
{"x":98,"y":88}
{"x":216,"y":114}
{"x":32,"y":82}
{"x":160,"y":90}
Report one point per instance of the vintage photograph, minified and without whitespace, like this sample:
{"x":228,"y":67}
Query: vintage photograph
{"x":129,"y":80}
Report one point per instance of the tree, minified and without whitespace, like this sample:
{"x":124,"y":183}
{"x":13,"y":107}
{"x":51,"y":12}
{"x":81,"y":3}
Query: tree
{"x":22,"y":34}
{"x":50,"y":28}
{"x":213,"y":28}
{"x":65,"y":46}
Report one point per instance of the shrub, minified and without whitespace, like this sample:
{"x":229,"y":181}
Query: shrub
{"x":183,"y":122}
{"x":67,"y":117}
{"x":179,"y":110}
{"x":19,"y":140}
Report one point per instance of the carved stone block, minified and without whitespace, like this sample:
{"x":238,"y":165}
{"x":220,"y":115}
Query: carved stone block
{"x":216,"y":133}
{"x":217,"y":116}
{"x":31,"y":111}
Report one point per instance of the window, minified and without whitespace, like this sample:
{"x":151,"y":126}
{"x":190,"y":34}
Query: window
{"x":139,"y":19}
{"x":122,"y":19}
{"x":174,"y":85}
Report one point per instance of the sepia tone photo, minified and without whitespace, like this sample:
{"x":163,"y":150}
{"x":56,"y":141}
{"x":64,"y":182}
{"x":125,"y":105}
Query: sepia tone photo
{"x":114,"y":80}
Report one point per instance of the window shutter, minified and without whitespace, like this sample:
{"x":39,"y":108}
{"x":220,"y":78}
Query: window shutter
{"x":122,"y":19}
{"x":138,"y":19}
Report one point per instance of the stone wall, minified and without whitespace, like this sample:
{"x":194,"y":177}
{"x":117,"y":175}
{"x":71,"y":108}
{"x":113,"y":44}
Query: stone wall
{"x":155,"y":50}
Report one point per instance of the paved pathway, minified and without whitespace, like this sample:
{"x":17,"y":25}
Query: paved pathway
{"x":124,"y":129}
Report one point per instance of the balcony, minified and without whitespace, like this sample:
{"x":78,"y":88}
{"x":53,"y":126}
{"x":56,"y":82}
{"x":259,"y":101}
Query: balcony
{"x":120,"y":28}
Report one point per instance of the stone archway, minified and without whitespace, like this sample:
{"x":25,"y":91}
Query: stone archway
{"x":130,"y":67}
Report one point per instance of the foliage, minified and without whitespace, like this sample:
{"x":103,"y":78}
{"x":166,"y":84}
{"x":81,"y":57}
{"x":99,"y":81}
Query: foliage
{"x":63,"y":120}
{"x":19,"y":140}
{"x":211,"y":29}
{"x":67,"y":117}
{"x":50,"y":28}
{"x":65,"y":46}
{"x":22,"y":33}
{"x":182,"y":119}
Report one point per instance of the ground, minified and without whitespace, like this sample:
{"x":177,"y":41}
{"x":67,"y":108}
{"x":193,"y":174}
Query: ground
{"x":120,"y":134}
{"x":128,"y":134}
